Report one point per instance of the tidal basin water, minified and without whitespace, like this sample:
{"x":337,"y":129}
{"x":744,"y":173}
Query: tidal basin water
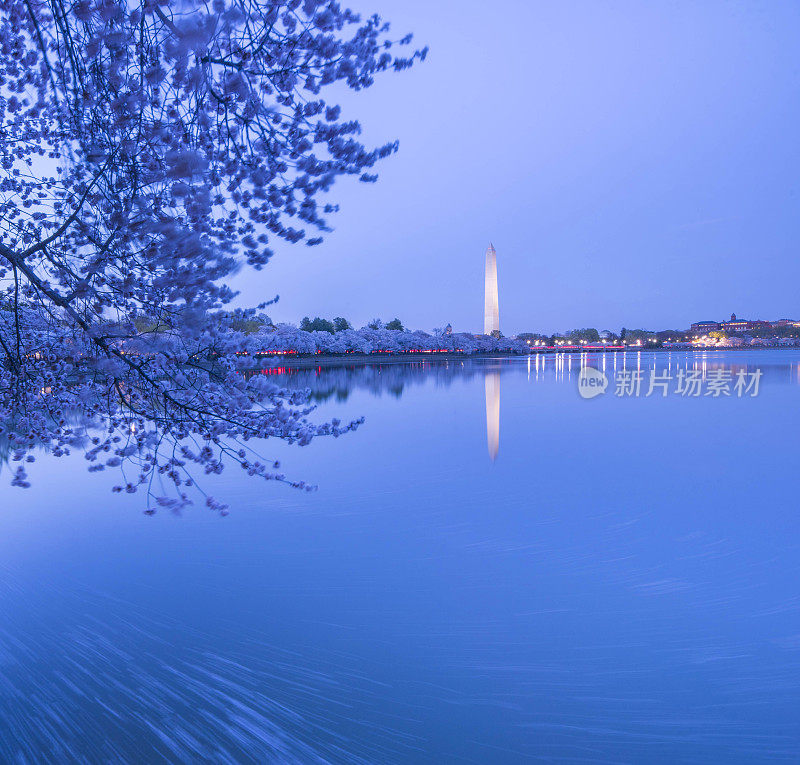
{"x":493,"y":570}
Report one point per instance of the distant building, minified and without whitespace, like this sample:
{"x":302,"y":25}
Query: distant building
{"x":734,"y":324}
{"x":759,"y":324}
{"x":748,"y":331}
{"x":448,"y":330}
{"x":704,"y":327}
{"x":742,"y":325}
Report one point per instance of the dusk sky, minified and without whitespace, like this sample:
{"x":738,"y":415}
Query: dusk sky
{"x":634,"y":163}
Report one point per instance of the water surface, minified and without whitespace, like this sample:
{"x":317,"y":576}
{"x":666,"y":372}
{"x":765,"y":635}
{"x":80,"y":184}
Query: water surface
{"x":493,"y":570}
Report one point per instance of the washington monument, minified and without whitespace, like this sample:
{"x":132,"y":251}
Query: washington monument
{"x":491,"y":311}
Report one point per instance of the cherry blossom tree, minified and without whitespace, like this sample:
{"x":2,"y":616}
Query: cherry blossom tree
{"x":148,"y":150}
{"x":286,"y":338}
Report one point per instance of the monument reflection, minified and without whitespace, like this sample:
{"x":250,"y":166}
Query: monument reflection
{"x":326,"y":383}
{"x":492,"y":385}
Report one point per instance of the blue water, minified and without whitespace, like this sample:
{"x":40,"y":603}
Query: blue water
{"x":620,"y":583}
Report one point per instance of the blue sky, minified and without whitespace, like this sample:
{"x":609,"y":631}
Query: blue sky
{"x":634,"y":163}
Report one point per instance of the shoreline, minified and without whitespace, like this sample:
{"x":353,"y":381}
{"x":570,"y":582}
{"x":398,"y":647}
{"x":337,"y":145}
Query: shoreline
{"x":346,"y":359}
{"x":299,"y":361}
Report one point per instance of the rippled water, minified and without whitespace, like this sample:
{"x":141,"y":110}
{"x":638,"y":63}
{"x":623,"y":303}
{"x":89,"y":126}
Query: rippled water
{"x":493,"y":570}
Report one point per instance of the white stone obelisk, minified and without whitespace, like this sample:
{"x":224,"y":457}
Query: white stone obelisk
{"x":491,"y":310}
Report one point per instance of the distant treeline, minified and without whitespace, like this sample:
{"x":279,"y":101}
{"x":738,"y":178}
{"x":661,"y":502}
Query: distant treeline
{"x":592,"y":335}
{"x":340,"y":324}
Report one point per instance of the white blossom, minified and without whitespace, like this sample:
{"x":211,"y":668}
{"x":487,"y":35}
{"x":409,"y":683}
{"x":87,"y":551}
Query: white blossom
{"x":149,"y":151}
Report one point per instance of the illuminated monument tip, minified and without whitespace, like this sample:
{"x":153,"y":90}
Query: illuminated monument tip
{"x":491,"y":311}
